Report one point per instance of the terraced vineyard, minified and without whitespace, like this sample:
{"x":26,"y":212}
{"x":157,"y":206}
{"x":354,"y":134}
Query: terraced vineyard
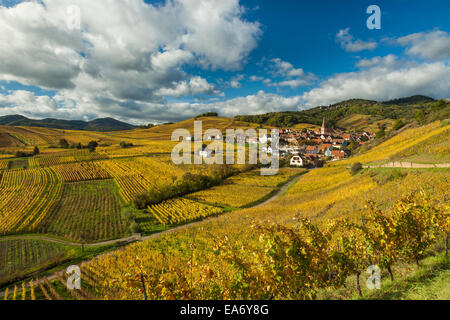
{"x":18,"y":256}
{"x":26,"y":196}
{"x":136,"y":175}
{"x":4,"y":164}
{"x":86,"y":211}
{"x":81,"y":171}
{"x":245,"y":188}
{"x":178,"y":211}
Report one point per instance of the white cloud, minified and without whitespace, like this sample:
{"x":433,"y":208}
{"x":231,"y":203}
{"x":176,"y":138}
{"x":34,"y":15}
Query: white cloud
{"x":293,"y":77}
{"x":384,"y":82}
{"x":348,"y":42}
{"x":235,"y":82}
{"x":434,"y":45}
{"x":194,"y":86}
{"x":128,"y":54}
{"x":387,"y":61}
{"x":28,"y":104}
{"x":256,"y":78}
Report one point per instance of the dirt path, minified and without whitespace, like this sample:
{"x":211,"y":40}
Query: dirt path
{"x":279,"y":193}
{"x":409,"y":165}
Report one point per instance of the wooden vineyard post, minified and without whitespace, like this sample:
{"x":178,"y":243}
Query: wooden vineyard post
{"x":143,"y":286}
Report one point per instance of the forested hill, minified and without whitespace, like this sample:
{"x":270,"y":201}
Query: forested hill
{"x":349,"y":114}
{"x":102,"y":125}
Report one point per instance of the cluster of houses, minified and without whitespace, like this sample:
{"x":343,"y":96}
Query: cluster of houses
{"x":311,"y":148}
{"x":305,"y":148}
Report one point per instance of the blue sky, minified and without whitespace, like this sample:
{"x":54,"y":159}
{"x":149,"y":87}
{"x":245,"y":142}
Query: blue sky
{"x":166,"y":61}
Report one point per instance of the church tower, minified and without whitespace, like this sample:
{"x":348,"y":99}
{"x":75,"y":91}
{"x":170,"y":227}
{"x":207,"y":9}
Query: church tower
{"x":323,"y":130}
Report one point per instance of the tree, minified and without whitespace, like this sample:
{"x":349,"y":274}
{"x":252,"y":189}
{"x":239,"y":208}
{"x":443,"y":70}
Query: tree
{"x":356,"y":167}
{"x":134,"y":228}
{"x":92,"y":145}
{"x":124,"y":144}
{"x":398,"y":124}
{"x":36,"y":151}
{"x":63,"y":144}
{"x":420,"y":117}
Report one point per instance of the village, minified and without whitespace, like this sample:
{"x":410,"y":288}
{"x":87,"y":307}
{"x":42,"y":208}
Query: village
{"x":309,"y":148}
{"x":301,"y":148}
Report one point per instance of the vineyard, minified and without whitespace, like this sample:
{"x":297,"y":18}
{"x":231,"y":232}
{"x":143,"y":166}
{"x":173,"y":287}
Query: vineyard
{"x":4,"y":164}
{"x":86,"y":211}
{"x":18,"y":256}
{"x":231,"y":195}
{"x":326,"y":218}
{"x":26,"y":196}
{"x":181,"y":210}
{"x":137,"y":175}
{"x":403,"y":141}
{"x":81,"y":171}
{"x":244,"y":189}
{"x":329,"y":255}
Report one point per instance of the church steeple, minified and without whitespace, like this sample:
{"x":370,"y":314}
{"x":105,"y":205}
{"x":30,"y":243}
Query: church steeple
{"x":323,"y":127}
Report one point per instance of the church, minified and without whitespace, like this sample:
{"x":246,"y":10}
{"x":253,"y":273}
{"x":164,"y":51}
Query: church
{"x":325,"y":131}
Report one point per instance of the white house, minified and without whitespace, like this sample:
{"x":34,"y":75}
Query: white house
{"x":206,"y":153}
{"x":210,"y":138}
{"x":264,"y":138}
{"x":297,"y":161}
{"x":269,"y":150}
{"x":252,"y":140}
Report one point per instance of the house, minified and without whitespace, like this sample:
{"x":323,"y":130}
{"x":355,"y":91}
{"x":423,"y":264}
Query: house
{"x":269,"y":150}
{"x":347,"y":136}
{"x":338,"y":154}
{"x":264,"y":138}
{"x":297,"y":161}
{"x":311,"y":150}
{"x":323,"y":148}
{"x":210,"y":138}
{"x":206,"y":153}
{"x":252,"y":140}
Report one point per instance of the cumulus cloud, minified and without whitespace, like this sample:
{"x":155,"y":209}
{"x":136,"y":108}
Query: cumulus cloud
{"x":383,"y":81}
{"x":195,"y":86}
{"x":388,"y":61}
{"x":256,"y":78}
{"x":350,"y":44}
{"x":127,"y":55}
{"x":434,"y":45}
{"x":293,"y":77}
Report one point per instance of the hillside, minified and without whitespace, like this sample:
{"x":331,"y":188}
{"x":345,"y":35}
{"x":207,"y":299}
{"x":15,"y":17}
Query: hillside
{"x":101,"y":125}
{"x":101,"y":185}
{"x":239,"y":254}
{"x":357,"y":114}
{"x":164,"y":132}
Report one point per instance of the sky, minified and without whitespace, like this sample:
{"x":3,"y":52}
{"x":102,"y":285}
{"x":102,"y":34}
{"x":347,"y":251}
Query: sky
{"x":164,"y":61}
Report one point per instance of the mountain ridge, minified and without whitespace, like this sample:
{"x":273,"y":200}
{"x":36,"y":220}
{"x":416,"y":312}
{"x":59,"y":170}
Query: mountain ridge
{"x":100,"y":125}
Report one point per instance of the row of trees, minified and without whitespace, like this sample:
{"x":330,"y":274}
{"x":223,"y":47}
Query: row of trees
{"x":64,"y":144}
